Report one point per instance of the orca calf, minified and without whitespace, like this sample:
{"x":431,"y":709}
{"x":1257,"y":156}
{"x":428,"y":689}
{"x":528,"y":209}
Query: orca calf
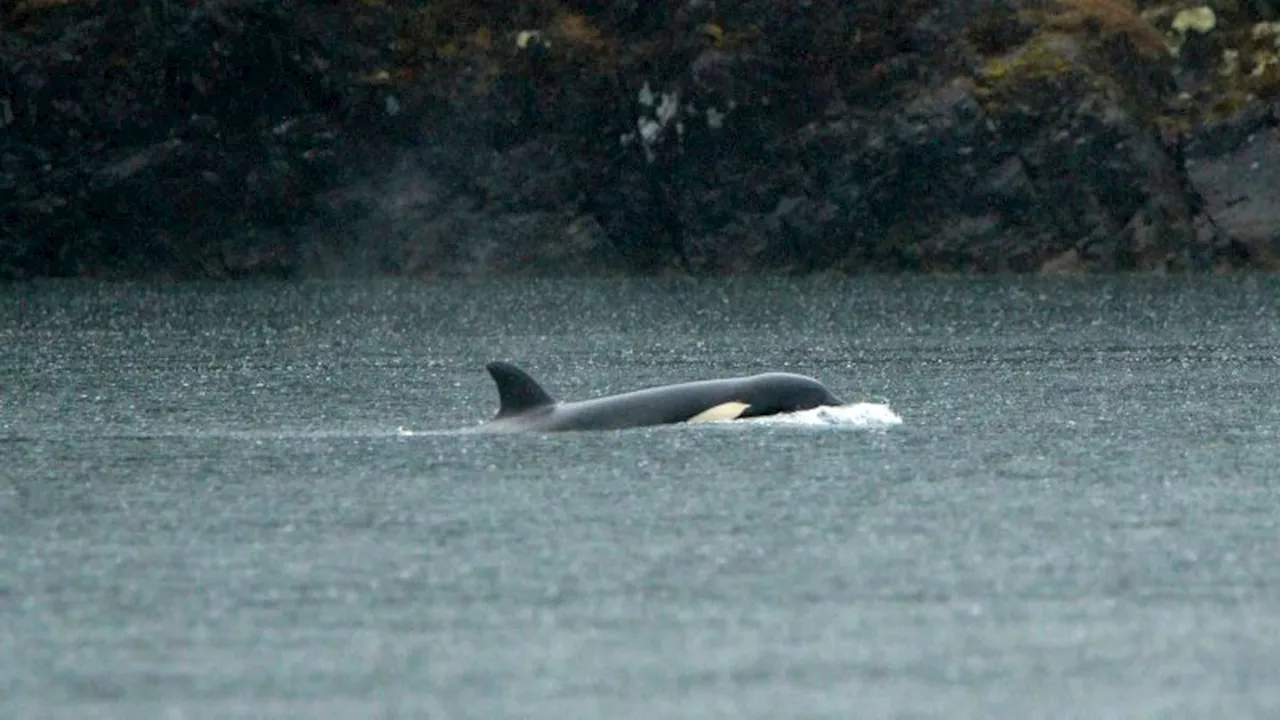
{"x":524,"y":405}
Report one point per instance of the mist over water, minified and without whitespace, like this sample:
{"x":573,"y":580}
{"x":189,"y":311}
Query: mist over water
{"x":1046,"y":498}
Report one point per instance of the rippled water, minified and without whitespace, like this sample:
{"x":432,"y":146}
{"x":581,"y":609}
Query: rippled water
{"x":221,"y":501}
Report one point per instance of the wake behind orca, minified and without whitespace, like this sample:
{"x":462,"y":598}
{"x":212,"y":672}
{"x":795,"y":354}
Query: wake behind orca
{"x":525,"y":406}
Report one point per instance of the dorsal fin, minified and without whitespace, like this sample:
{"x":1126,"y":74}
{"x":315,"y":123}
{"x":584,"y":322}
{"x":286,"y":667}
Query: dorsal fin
{"x":517,"y":392}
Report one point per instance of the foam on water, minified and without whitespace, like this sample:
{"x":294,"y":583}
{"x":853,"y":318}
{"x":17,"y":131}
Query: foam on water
{"x":853,"y":415}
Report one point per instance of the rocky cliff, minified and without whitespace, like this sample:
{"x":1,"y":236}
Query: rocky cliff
{"x":225,"y":138}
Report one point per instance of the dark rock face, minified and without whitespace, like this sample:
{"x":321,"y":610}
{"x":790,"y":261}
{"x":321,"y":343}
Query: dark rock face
{"x":1237,"y":168}
{"x":224,"y":138}
{"x":142,"y":136}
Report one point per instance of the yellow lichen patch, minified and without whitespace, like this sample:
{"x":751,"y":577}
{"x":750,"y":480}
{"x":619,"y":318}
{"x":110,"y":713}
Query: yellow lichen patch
{"x":1198,"y":19}
{"x":1230,"y":62}
{"x":1262,"y":63}
{"x":996,"y":68}
{"x":528,"y":39}
{"x":375,"y":77}
{"x":1076,"y":47}
{"x":1040,"y":58}
{"x":1255,"y":75}
{"x":1033,"y":77}
{"x":1244,"y":57}
{"x":713,"y":32}
{"x":1265,"y":31}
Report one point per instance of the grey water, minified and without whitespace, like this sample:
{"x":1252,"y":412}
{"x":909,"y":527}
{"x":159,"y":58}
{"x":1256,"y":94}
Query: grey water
{"x":252,"y":500}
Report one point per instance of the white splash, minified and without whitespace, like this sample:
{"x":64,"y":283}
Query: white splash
{"x":853,"y":415}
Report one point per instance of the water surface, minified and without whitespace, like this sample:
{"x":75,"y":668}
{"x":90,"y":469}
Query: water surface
{"x":250,"y":500}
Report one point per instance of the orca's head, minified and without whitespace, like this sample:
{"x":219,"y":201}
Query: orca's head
{"x":774,"y":393}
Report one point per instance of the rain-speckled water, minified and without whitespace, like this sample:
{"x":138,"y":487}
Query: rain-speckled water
{"x":250,"y":501}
